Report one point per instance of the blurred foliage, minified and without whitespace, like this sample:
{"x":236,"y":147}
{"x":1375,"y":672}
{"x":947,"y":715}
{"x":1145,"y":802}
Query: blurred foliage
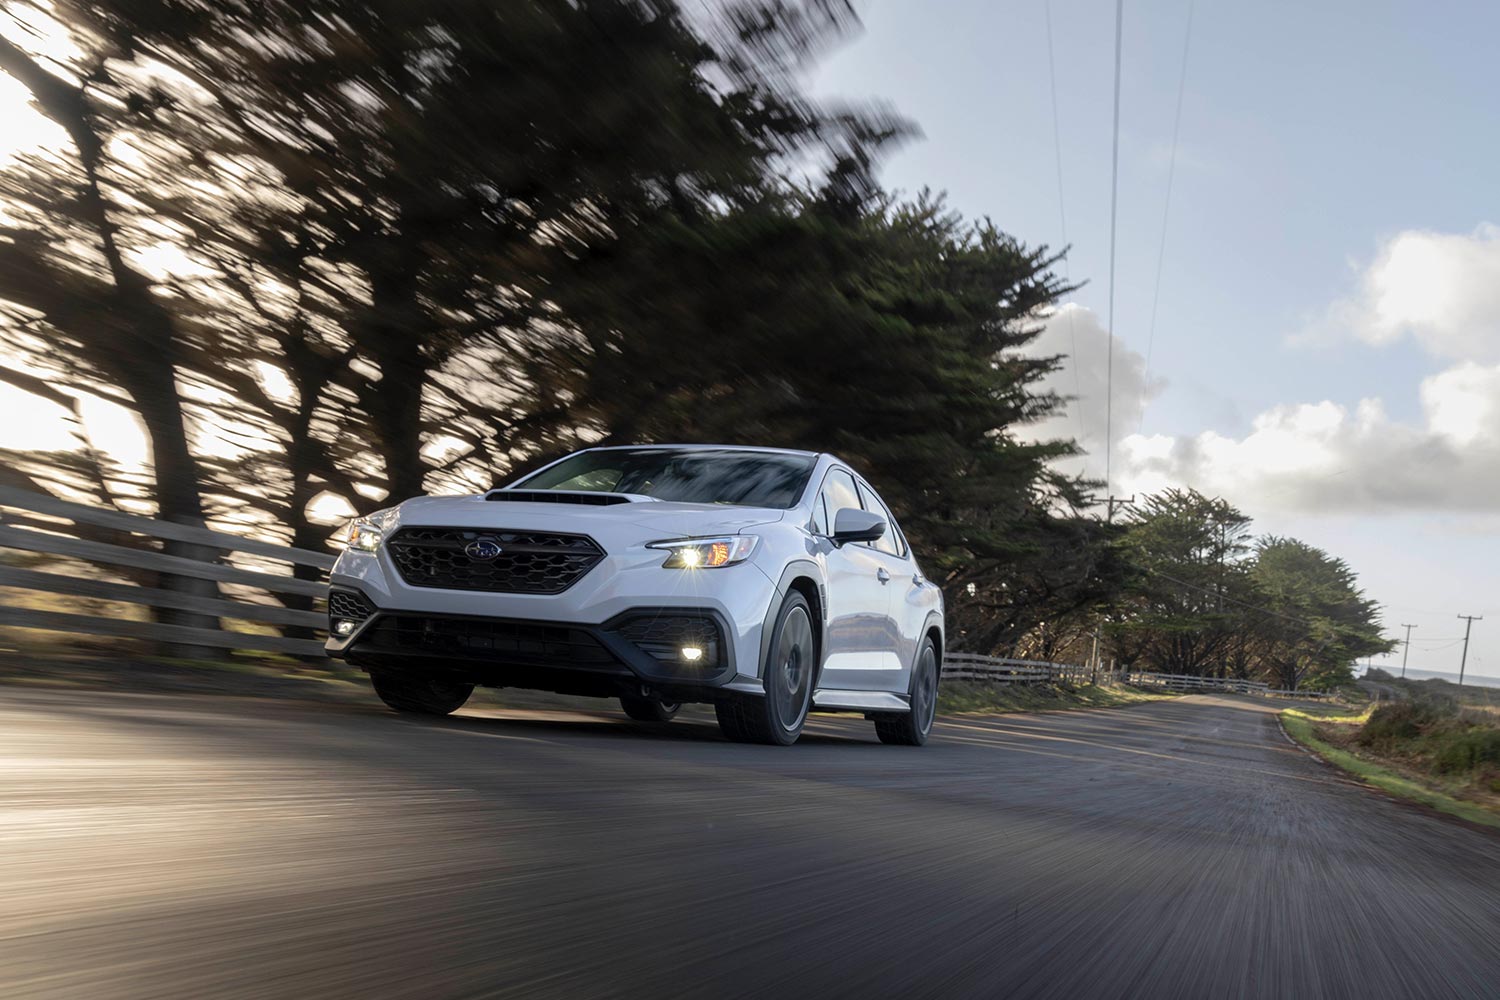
{"x":367,"y":249}
{"x":1204,"y":597}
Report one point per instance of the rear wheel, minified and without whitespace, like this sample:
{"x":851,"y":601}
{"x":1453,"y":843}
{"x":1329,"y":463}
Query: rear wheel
{"x":648,"y":709}
{"x":789,"y":671}
{"x":421,"y":695}
{"x":912,"y":728}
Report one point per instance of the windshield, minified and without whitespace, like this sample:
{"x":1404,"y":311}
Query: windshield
{"x":746,"y":478}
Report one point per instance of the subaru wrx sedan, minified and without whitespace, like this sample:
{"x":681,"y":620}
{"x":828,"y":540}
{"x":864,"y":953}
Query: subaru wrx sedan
{"x":769,"y":583}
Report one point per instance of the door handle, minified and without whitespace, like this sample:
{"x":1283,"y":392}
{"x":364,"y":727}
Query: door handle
{"x":882,"y":575}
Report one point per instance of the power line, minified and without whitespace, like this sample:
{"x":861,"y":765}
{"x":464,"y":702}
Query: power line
{"x":1062,"y":218}
{"x":1231,"y":600}
{"x":1447,"y":645}
{"x":1161,"y":250}
{"x":1114,"y":200}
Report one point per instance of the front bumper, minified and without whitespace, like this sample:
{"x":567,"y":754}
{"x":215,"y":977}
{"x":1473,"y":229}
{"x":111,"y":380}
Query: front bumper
{"x":535,"y":640}
{"x":621,"y":655}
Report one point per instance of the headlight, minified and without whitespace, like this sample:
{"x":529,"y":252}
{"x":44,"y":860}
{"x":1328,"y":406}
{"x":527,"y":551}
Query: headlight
{"x":366,"y":533}
{"x":706,"y":553}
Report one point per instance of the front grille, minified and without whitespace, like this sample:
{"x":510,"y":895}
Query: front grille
{"x":348,"y":605}
{"x":663,"y":635}
{"x":519,"y":642}
{"x":524,"y":562}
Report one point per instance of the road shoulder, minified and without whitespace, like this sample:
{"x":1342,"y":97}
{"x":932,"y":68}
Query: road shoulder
{"x":1301,"y":729}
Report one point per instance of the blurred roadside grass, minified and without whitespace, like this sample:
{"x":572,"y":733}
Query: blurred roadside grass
{"x":970,"y":697}
{"x":1433,"y":752}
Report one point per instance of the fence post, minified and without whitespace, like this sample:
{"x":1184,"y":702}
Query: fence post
{"x":188,"y":585}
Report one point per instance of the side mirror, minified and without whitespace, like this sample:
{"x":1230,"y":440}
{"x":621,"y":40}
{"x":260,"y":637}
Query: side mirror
{"x":853,"y":525}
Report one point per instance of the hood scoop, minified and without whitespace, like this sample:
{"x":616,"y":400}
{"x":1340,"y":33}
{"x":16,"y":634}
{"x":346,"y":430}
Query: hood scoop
{"x":585,"y":498}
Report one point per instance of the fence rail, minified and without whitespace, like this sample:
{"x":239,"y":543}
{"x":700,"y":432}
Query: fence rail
{"x":1189,"y":682}
{"x":997,"y":670}
{"x":137,"y":547}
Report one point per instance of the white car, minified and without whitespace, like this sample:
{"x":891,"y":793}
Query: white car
{"x":767,"y":582}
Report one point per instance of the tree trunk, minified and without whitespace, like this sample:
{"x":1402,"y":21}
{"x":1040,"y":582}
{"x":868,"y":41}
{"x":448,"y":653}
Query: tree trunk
{"x":392,"y":333}
{"x":143,"y":363}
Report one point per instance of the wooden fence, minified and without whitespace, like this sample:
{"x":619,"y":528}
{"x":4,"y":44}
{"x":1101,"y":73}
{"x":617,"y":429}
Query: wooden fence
{"x":1189,"y":683}
{"x":158,"y":557}
{"x":996,"y":670}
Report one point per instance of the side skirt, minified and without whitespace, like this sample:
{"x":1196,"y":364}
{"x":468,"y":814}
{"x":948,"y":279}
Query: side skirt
{"x":859,"y":701}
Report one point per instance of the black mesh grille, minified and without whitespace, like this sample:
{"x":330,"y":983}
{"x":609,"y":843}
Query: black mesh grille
{"x":664,"y":635}
{"x":529,"y":643}
{"x":524,"y":562}
{"x":348,"y":605}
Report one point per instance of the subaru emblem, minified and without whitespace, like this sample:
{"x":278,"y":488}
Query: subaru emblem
{"x":483,"y":549}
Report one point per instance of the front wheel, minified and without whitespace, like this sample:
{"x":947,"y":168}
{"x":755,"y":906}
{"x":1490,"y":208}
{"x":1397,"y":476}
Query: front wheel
{"x":789,"y":671}
{"x":418,"y":694}
{"x":913,"y":728}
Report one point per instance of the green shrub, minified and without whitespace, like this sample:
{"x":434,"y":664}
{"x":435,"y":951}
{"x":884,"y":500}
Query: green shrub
{"x":1399,"y":721}
{"x":1466,"y":751}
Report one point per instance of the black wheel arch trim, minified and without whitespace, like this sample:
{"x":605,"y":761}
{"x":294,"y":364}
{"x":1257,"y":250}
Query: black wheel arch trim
{"x":793,"y":570}
{"x":935,"y":621}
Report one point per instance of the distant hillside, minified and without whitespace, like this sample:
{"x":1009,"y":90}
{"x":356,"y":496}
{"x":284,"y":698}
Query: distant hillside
{"x":1439,"y":682}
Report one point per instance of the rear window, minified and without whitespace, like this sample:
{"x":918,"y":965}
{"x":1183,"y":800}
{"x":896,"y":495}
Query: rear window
{"x":683,"y":475}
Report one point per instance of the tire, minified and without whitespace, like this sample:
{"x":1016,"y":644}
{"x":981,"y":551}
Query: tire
{"x":911,"y":729}
{"x":420,"y":695}
{"x":790,"y":671}
{"x":648,"y":709}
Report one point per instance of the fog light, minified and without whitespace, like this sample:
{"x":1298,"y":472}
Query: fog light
{"x":692,"y":653}
{"x":343,"y":627}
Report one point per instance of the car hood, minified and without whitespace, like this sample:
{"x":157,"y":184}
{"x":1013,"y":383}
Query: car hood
{"x":613,"y":526}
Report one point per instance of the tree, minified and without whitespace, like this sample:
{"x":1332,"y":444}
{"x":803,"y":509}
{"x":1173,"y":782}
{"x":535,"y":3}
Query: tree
{"x":1182,"y":613}
{"x":368,"y":205}
{"x":889,"y":332}
{"x":1317,"y":621}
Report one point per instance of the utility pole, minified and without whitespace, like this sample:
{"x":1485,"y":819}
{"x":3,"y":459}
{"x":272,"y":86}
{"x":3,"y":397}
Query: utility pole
{"x":1405,"y":648}
{"x":1113,"y":501}
{"x":1469,"y":621}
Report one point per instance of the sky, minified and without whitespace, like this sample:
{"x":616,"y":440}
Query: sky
{"x":1325,"y":351}
{"x":1326,"y":345}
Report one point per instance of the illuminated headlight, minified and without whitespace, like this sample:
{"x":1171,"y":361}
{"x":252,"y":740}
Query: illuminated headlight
{"x":343,"y":627}
{"x":706,"y":553}
{"x":366,"y":533}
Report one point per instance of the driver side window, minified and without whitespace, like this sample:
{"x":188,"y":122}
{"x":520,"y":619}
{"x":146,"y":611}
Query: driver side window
{"x":839,"y":492}
{"x":891,"y":542}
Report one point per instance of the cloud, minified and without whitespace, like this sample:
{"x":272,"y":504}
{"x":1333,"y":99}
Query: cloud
{"x":1440,"y":289}
{"x":1326,"y":458}
{"x":1077,"y":333}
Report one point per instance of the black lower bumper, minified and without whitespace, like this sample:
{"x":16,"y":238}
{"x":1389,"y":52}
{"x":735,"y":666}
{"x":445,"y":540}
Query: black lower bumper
{"x":639,"y":648}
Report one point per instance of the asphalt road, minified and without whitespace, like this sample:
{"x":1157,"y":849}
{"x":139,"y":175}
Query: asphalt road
{"x":193,"y":847}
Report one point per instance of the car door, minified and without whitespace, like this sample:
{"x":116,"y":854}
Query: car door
{"x":906,"y":590}
{"x":861,"y":655}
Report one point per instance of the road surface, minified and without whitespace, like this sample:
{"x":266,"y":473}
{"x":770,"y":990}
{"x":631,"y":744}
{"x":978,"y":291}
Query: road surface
{"x":196,"y":847}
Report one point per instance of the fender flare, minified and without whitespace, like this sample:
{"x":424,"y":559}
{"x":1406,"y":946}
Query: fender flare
{"x":792,"y":570}
{"x":935,"y":620}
